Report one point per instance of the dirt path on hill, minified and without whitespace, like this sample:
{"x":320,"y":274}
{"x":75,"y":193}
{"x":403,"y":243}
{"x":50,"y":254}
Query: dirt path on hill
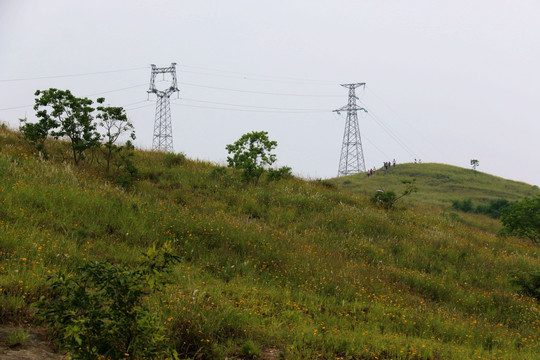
{"x":36,"y":348}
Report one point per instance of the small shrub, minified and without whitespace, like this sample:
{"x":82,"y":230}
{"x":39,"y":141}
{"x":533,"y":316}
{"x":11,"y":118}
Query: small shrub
{"x":250,"y":349}
{"x":171,"y":159}
{"x":12,"y":307}
{"x":18,"y":337}
{"x":326,"y":184}
{"x":222,"y":174}
{"x":387,"y":199}
{"x":99,"y":311}
{"x":463,"y":205}
{"x":278,"y":174}
{"x":528,"y":283}
{"x":384,"y":199}
{"x":127,"y":171}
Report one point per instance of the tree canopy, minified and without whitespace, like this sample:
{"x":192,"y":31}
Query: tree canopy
{"x":251,"y":153}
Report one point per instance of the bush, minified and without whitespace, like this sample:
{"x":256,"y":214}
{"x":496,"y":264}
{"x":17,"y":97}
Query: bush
{"x":18,"y":337}
{"x":251,"y":350}
{"x":523,"y":219}
{"x":529,"y":283}
{"x":172,"y":159}
{"x":387,"y":199}
{"x":493,"y":208}
{"x":463,"y":205}
{"x":127,"y":172}
{"x":278,"y":174}
{"x":99,"y":312}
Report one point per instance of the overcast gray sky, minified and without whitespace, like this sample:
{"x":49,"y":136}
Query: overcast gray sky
{"x":447,"y":81}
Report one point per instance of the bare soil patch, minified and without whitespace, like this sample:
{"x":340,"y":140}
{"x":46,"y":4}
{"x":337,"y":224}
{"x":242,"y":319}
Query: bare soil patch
{"x":37,"y":347}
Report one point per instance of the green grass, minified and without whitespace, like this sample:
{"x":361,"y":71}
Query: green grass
{"x":439,"y":184}
{"x":305,"y":267}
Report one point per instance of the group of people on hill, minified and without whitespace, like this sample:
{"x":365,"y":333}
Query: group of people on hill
{"x":387,"y":165}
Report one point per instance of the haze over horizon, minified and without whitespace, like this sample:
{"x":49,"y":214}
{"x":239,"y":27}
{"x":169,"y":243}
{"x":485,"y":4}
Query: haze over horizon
{"x":446,"y":82}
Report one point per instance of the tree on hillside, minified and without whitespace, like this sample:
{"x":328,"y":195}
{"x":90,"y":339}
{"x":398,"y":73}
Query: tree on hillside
{"x":475,"y":163}
{"x":37,"y":133}
{"x":251,"y":153}
{"x":115,"y":123}
{"x":64,"y":114}
{"x":522,"y":219}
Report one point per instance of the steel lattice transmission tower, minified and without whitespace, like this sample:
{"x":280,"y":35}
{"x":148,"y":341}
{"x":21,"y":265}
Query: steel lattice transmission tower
{"x":162,"y":124}
{"x":352,"y":155}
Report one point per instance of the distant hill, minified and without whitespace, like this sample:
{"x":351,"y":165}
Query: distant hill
{"x":439,"y":184}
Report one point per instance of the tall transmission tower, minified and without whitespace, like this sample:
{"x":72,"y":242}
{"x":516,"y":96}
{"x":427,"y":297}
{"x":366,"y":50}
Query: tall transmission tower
{"x":162,"y":124}
{"x":352,"y":155}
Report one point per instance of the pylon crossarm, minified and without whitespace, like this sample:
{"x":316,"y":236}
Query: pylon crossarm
{"x":162,"y":139}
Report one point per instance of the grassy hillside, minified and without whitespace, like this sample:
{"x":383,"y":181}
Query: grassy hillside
{"x":303,"y":268}
{"x":439,"y":184}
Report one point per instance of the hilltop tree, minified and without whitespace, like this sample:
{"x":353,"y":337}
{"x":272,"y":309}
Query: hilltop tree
{"x":70,"y":116}
{"x":115,"y":123}
{"x":251,"y":153}
{"x":475,"y":163}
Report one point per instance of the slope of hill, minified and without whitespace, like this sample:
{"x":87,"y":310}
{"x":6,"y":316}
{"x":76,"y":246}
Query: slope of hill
{"x":291,"y":267}
{"x":439,"y":184}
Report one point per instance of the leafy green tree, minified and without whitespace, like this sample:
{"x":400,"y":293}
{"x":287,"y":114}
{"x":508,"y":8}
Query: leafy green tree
{"x":36,"y":133}
{"x":522,"y":219}
{"x":475,"y":163}
{"x":64,"y":114}
{"x":251,"y":153}
{"x":115,"y":123}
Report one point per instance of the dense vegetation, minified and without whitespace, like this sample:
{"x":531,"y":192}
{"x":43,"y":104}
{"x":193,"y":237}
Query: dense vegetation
{"x":493,"y":208}
{"x":299,"y":266}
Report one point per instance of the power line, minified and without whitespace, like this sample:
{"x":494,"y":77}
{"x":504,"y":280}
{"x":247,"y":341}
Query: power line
{"x":256,"y":76}
{"x":253,"y":106}
{"x":116,"y":90}
{"x":387,"y":130}
{"x":95,"y":94}
{"x":257,"y":92}
{"x":16,"y":107}
{"x":73,"y":75}
{"x":405,"y":121}
{"x":250,"y":110}
{"x":135,"y":103}
{"x":375,"y":146}
{"x":140,"y":107}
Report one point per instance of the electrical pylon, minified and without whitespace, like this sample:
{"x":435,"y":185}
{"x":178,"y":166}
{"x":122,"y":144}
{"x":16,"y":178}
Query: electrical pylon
{"x":162,"y":125}
{"x":352,"y":155}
